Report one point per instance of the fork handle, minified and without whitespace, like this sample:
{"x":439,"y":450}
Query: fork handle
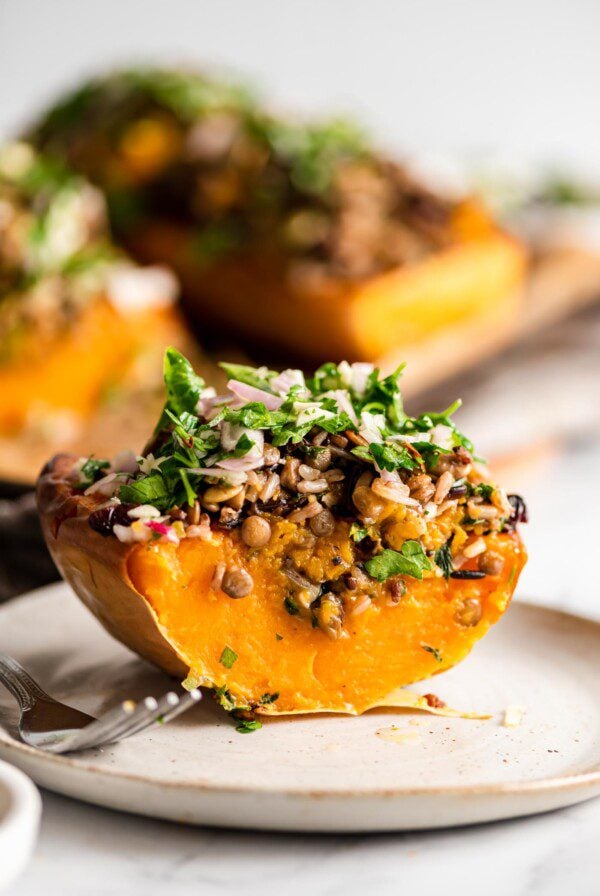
{"x":19,"y":682}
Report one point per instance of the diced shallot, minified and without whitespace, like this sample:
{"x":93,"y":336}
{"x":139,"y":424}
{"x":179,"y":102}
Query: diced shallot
{"x":342,"y":399}
{"x":286,"y":379}
{"x":234,"y":477}
{"x":125,"y":462}
{"x":250,"y":393}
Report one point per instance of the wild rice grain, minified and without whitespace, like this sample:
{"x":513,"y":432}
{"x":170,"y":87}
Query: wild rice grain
{"x":310,"y":473}
{"x":305,"y":513}
{"x":269,"y":487}
{"x":307,"y":487}
{"x":443,"y":486}
{"x":218,"y":576}
{"x":474,"y":549}
{"x":289,"y":474}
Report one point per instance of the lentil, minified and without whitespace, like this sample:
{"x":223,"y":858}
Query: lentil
{"x":256,"y":531}
{"x":469,"y":612}
{"x":491,"y":563}
{"x":236,"y":583}
{"x":323,"y":524}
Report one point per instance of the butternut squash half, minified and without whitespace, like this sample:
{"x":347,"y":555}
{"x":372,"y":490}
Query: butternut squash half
{"x":298,"y":235}
{"x":78,"y":319}
{"x":257,"y":295}
{"x":297,"y":546}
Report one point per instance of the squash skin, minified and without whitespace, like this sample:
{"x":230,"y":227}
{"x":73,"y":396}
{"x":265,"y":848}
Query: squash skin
{"x":156,"y":599}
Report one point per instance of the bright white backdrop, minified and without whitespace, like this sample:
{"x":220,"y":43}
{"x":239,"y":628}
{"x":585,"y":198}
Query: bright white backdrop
{"x":518,"y":77}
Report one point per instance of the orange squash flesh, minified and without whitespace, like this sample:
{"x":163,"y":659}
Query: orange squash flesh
{"x":72,"y":372}
{"x":252,"y":293}
{"x":157,"y":599}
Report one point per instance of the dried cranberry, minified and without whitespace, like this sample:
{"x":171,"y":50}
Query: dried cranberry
{"x":104,"y":520}
{"x":519,"y":514}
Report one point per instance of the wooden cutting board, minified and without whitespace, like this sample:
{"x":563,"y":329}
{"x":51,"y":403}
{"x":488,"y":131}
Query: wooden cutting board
{"x":559,"y":283}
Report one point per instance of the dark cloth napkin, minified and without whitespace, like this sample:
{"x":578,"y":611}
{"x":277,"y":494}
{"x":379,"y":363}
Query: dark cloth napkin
{"x":24,"y":560}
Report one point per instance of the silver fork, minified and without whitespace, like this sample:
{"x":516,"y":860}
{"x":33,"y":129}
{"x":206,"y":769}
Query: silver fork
{"x":58,"y":728}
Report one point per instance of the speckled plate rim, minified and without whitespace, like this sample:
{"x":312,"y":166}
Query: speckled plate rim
{"x":555,"y":784}
{"x":11,"y":749}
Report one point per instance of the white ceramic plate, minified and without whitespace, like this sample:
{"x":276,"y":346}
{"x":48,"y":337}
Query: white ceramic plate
{"x":20,"y":807}
{"x":387,"y":770}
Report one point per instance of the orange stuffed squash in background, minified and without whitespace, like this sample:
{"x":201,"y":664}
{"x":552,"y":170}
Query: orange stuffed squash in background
{"x":296,"y":544}
{"x":292,"y":235}
{"x":80,"y":323}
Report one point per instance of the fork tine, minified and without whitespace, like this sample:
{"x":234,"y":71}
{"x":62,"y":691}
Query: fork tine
{"x":169,"y":707}
{"x":95,"y":734}
{"x":128,"y":718}
{"x":189,"y":699}
{"x":141,"y":722}
{"x":144,"y":711}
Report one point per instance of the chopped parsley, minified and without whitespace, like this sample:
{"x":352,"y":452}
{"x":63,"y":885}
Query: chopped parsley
{"x":291,"y":606}
{"x":443,"y":559}
{"x":485,"y":490}
{"x":411,"y":560}
{"x":91,"y":470}
{"x":266,"y":699}
{"x":258,"y":377}
{"x":358,"y":532}
{"x":246,"y":726}
{"x":153,"y":489}
{"x":393,"y":456}
{"x":228,"y":657}
{"x":338,"y":398}
{"x":434,"y":651}
{"x":225,"y":699}
{"x":183,"y":384}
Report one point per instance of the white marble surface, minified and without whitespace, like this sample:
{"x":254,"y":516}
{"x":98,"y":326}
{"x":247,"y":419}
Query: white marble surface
{"x":85,"y":851}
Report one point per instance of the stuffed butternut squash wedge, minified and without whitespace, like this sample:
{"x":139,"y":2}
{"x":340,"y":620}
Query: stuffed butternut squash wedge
{"x":78,"y":319}
{"x":296,"y":544}
{"x":299,"y":236}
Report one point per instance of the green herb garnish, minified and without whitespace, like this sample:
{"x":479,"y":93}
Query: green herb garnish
{"x":434,"y":651}
{"x":266,"y":699}
{"x":411,"y":560}
{"x":151,"y":490}
{"x":443,"y":558}
{"x":358,"y":532}
{"x":228,"y":657}
{"x":291,"y":606}
{"x":182,"y":383}
{"x":91,"y":469}
{"x":245,"y":727}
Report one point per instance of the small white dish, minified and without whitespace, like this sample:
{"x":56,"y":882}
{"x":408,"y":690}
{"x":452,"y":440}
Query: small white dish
{"x":536,"y":672}
{"x":20,"y":809}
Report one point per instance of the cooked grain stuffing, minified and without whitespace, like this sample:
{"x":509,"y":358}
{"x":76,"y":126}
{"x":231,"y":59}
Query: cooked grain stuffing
{"x":327,"y":478}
